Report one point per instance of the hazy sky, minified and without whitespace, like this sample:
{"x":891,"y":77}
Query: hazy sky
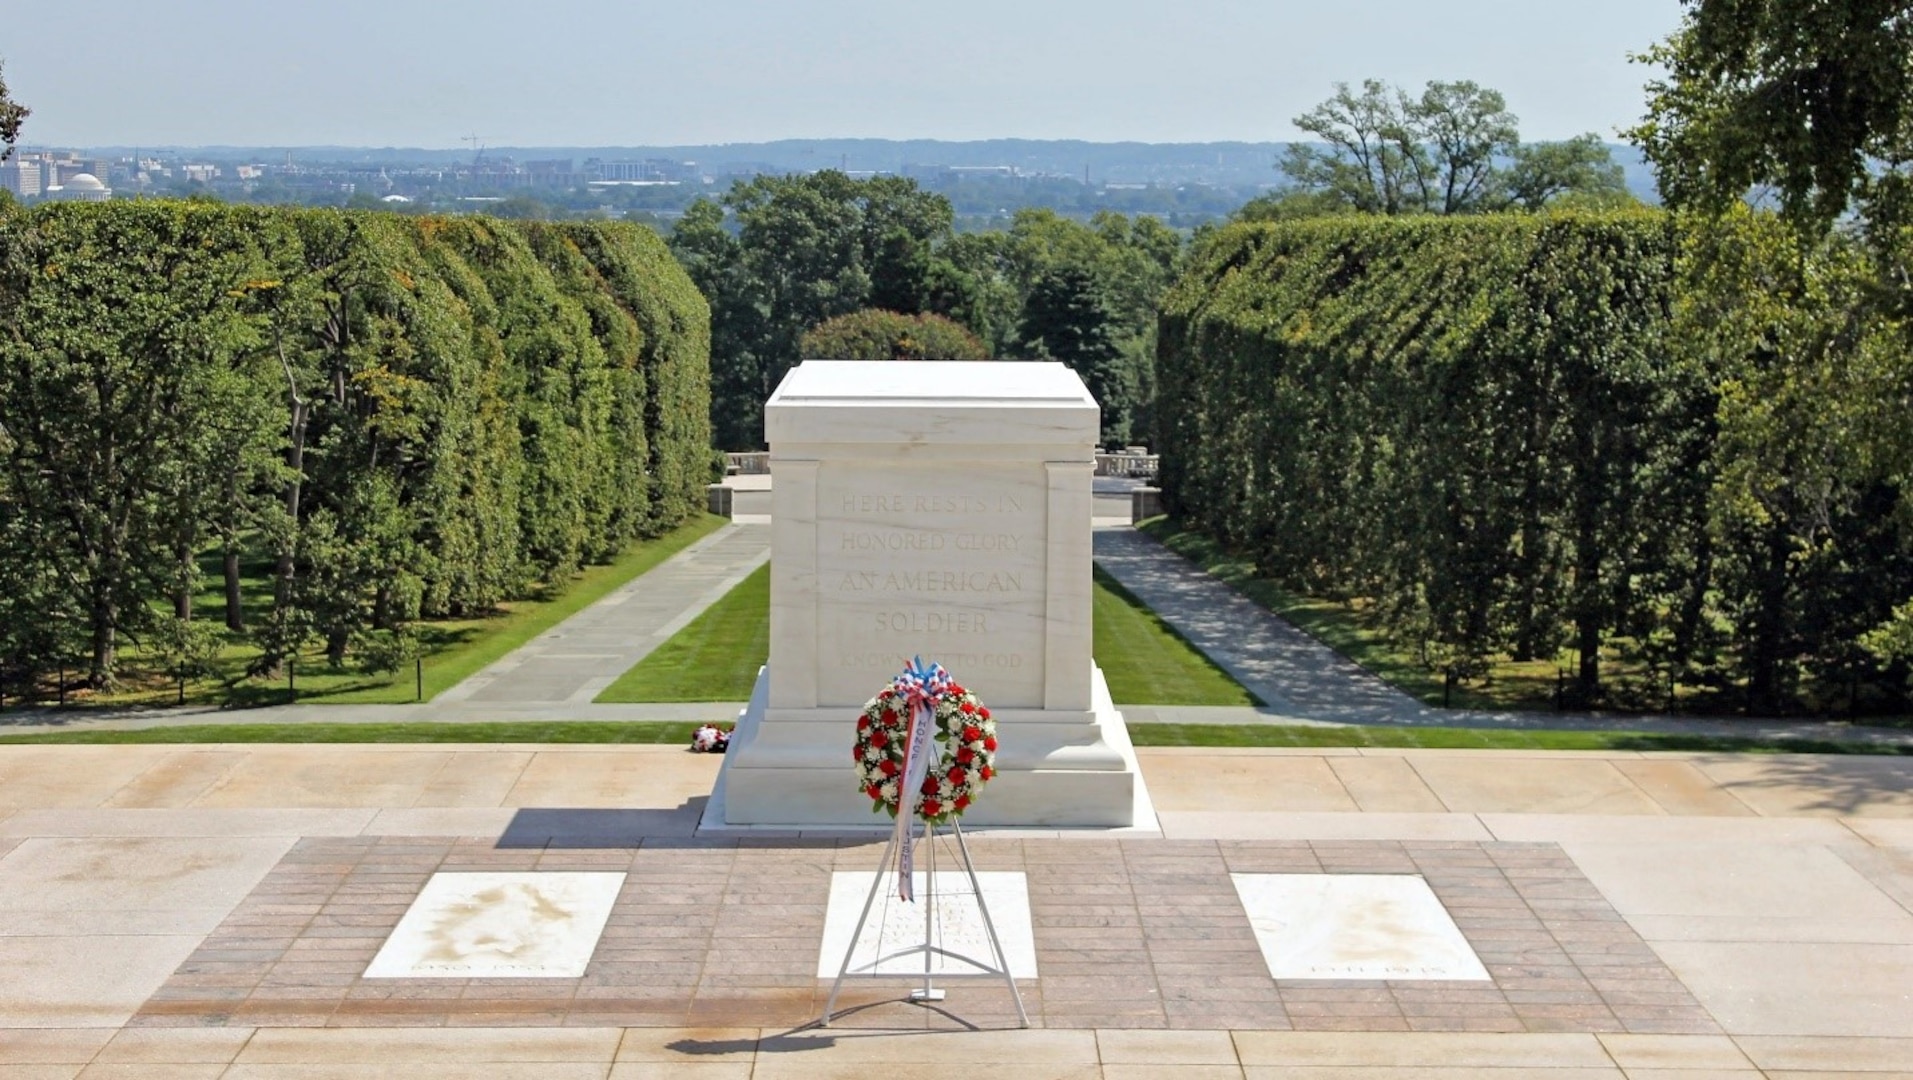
{"x":637,"y":72}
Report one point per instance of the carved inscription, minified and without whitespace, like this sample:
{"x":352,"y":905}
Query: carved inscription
{"x":940,"y":562}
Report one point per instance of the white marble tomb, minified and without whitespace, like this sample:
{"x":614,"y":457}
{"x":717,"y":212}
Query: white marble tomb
{"x":499,"y":925}
{"x":896,"y":926}
{"x":941,"y":510}
{"x":1354,"y":926}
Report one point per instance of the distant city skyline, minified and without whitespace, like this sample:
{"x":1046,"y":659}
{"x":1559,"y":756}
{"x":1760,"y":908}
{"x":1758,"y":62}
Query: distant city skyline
{"x":604,"y":73}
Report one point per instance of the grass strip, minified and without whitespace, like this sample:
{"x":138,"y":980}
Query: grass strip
{"x":1220,"y":736}
{"x":714,"y":658}
{"x":529,"y":731}
{"x":1147,"y":662}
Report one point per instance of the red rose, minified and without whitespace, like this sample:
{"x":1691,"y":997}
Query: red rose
{"x":987,"y":772}
{"x":931,"y":808}
{"x":890,"y":767}
{"x":990,"y":744}
{"x":929,"y":785}
{"x":856,"y":753}
{"x":863,"y":723}
{"x":962,"y":802}
{"x":956,"y":776}
{"x":878,"y":738}
{"x":967,"y":708}
{"x":957,"y":690}
{"x":984,"y":713}
{"x":972,"y":734}
{"x":874,"y":791}
{"x":964,"y":754}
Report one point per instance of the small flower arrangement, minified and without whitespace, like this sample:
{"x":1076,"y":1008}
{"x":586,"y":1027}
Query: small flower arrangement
{"x":965,"y":748}
{"x":711,"y":739}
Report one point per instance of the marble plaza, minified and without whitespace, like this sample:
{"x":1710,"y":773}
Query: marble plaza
{"x":217,"y":911}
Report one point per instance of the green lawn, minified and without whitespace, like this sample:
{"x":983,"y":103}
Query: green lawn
{"x":452,"y":649}
{"x":1147,"y":663}
{"x":1209,"y":735}
{"x":716,"y":657}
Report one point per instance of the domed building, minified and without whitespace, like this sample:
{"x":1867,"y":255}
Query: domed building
{"x":80,"y":187}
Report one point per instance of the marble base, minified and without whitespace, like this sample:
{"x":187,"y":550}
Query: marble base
{"x":1354,"y":926}
{"x":500,"y":926}
{"x":895,"y":926}
{"x":791,"y":769}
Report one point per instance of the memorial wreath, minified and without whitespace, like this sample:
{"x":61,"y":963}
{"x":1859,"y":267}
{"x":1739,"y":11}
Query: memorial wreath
{"x":952,"y":771}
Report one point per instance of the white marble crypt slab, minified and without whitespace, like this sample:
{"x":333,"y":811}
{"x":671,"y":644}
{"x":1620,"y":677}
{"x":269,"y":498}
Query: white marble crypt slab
{"x":1354,"y":926}
{"x":895,"y":925}
{"x":500,"y":925}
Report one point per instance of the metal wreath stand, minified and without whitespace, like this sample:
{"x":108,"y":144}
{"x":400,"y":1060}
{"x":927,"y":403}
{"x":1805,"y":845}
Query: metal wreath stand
{"x":999,"y":967}
{"x":890,"y":869}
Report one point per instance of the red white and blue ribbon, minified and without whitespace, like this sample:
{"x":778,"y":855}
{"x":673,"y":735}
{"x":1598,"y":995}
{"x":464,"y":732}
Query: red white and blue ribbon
{"x":920,"y":687}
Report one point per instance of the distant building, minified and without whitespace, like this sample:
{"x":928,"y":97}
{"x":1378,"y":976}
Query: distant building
{"x":653,"y":170}
{"x":21,"y":176}
{"x":80,"y":187}
{"x":201,"y":174}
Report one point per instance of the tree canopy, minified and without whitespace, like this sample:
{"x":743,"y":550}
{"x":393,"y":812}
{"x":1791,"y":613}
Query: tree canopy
{"x":12,"y":116}
{"x":1811,"y":97}
{"x":780,"y":258}
{"x":1453,"y":149}
{"x":874,"y":334}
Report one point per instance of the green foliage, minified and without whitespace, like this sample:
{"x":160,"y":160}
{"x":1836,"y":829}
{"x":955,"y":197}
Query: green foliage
{"x":779,"y":256}
{"x":1385,"y":151}
{"x":12,"y":116}
{"x":410,"y":417}
{"x":1815,"y":99}
{"x":1565,"y":438}
{"x":873,"y":334}
{"x":1065,"y":318}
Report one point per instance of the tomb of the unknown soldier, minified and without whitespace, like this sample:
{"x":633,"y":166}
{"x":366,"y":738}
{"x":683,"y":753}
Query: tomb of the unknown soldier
{"x":939,"y":510}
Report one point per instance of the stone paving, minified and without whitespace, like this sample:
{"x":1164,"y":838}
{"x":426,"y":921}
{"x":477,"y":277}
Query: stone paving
{"x":208,"y":911}
{"x":1128,"y":934}
{"x":576,"y":660}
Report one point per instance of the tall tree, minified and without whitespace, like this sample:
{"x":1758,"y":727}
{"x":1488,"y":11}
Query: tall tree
{"x":1812,"y":97}
{"x":806,"y":249}
{"x":12,"y":116}
{"x":103,"y":387}
{"x":1813,"y":102}
{"x":1066,"y":318}
{"x":1454,"y":149}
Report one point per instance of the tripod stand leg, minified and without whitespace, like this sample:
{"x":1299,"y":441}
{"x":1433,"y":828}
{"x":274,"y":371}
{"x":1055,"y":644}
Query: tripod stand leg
{"x":876,"y":883}
{"x":929,"y":991}
{"x":989,"y":927}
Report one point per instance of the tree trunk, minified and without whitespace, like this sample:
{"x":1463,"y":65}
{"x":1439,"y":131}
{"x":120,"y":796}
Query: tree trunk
{"x":105,"y":624}
{"x":1763,"y":655}
{"x":235,"y":613}
{"x":1590,"y":614}
{"x":295,"y":463}
{"x":187,"y":572}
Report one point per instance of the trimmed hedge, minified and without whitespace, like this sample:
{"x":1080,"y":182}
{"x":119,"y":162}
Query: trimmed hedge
{"x":487,"y":405}
{"x":1471,"y":422}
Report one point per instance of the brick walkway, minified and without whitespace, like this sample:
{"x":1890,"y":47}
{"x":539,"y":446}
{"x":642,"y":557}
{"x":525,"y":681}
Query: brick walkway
{"x":1133,"y":934}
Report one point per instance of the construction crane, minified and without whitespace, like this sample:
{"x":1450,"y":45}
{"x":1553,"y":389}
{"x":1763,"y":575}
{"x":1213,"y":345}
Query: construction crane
{"x":478,"y":147}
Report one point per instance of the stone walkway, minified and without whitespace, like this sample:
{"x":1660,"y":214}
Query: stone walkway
{"x":575,"y":661}
{"x":208,"y":911}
